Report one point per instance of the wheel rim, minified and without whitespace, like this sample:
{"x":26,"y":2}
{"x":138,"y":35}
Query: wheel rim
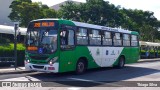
{"x":80,"y":67}
{"x":121,"y":63}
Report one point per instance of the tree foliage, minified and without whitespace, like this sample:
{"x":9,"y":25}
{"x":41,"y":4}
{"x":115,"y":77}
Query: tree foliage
{"x":25,"y":10}
{"x":103,"y":13}
{"x":98,"y":12}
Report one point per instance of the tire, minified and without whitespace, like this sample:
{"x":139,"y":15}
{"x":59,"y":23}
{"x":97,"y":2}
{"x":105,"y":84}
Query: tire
{"x":121,"y":62}
{"x":80,"y":67}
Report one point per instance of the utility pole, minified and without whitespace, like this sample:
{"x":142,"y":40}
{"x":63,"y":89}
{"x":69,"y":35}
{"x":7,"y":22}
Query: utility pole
{"x":16,"y":26}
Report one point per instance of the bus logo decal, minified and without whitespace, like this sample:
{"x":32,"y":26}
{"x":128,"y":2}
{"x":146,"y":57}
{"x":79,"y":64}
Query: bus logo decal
{"x":106,"y":52}
{"x":40,"y":50}
{"x":98,"y":52}
{"x":113,"y":53}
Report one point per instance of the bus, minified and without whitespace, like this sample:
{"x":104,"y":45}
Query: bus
{"x":57,"y":45}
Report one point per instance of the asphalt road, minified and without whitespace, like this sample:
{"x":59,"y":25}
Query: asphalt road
{"x":143,"y":73}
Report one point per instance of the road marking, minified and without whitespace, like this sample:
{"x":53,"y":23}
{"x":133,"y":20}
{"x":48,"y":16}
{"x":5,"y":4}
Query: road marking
{"x":32,"y":78}
{"x":92,"y":81}
{"x":15,"y":79}
{"x":26,"y":78}
{"x":74,"y":88}
{"x":78,"y":79}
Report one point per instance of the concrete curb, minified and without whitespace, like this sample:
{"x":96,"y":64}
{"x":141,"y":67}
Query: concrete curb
{"x":11,"y":70}
{"x":149,"y":60}
{"x":14,"y":72}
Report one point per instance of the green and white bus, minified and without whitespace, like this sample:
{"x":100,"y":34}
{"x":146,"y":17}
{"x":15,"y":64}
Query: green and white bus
{"x":57,"y":45}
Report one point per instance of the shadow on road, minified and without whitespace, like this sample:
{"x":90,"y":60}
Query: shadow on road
{"x":94,"y":77}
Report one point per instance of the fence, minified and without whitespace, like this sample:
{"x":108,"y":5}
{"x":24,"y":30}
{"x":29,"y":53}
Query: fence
{"x":7,"y":61}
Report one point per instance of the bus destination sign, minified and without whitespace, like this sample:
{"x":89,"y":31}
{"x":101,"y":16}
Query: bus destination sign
{"x":44,"y":24}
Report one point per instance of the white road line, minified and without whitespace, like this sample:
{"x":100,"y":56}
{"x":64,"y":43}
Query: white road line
{"x":74,"y":88}
{"x":78,"y":79}
{"x":26,"y":78}
{"x":15,"y":79}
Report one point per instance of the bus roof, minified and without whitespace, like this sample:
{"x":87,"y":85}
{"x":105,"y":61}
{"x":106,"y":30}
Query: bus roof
{"x":103,"y":27}
{"x":81,"y":24}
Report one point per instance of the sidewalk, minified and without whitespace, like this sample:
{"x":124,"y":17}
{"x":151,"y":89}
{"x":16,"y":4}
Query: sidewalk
{"x":11,"y":70}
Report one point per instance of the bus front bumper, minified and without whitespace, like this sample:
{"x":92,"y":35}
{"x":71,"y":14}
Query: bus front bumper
{"x":42,"y":68}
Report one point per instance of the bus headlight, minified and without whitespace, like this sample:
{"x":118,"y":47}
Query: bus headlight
{"x":53,"y":60}
{"x":27,"y":61}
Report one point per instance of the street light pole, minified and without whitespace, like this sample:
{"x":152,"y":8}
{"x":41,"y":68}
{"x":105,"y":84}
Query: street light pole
{"x":16,"y":25}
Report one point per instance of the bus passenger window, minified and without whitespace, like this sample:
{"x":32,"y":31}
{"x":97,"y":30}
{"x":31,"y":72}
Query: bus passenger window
{"x":126,"y":40}
{"x":82,"y":38}
{"x":134,"y":40}
{"x":107,"y":39}
{"x":95,"y":37}
{"x":117,"y":39}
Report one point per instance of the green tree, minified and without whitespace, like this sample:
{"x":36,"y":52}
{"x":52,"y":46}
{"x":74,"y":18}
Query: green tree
{"x":143,"y":22}
{"x":103,"y":13}
{"x":24,"y":11}
{"x":93,"y":11}
{"x":70,"y":11}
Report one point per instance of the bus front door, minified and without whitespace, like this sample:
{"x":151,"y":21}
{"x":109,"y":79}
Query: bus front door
{"x":67,"y":52}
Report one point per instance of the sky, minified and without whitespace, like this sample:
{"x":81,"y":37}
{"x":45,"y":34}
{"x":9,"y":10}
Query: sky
{"x":146,"y":5}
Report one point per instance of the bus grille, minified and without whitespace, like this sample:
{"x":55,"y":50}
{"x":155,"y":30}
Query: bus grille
{"x":39,"y":57}
{"x":39,"y":67}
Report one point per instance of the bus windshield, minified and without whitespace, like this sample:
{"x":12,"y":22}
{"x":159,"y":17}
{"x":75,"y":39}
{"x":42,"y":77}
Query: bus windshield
{"x":45,"y":41}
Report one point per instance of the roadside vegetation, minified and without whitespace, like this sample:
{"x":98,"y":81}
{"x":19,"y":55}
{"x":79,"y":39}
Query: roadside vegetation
{"x":98,"y":12}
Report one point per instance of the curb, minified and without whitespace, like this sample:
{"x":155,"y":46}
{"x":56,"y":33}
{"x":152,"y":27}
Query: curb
{"x":148,"y":60}
{"x":15,"y":72}
{"x":11,"y":70}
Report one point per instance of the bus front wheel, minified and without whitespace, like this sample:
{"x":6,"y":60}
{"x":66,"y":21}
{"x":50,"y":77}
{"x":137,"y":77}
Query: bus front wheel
{"x":80,"y":67}
{"x":121,"y":62}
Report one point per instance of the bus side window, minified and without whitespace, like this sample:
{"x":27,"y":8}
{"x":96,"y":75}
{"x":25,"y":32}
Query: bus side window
{"x":63,"y":37}
{"x":126,"y":40}
{"x":70,"y":37}
{"x":107,"y":38}
{"x":134,"y":40}
{"x":95,"y":37}
{"x":117,"y":39}
{"x":67,"y":39}
{"x":82,"y":37}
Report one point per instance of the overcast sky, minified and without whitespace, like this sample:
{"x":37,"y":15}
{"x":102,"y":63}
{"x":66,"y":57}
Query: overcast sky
{"x":146,"y":5}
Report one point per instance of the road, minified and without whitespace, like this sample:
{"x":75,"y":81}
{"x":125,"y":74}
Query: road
{"x":143,"y":73}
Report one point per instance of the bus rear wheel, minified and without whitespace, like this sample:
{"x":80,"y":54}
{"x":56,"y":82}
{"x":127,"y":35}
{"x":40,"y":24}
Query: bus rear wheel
{"x":80,"y":67}
{"x":121,"y":62}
